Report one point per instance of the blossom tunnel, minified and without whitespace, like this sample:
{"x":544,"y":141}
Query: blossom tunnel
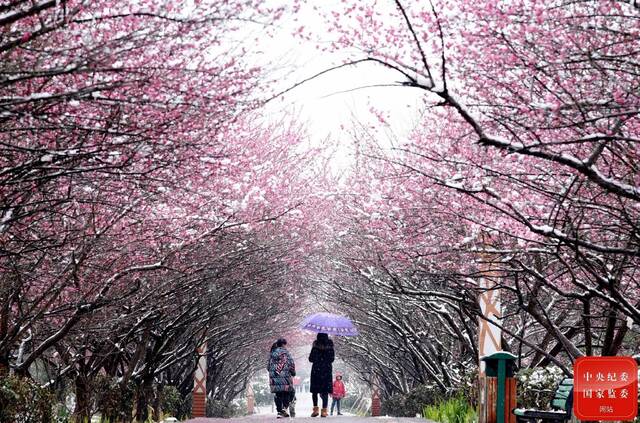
{"x":168,"y":205}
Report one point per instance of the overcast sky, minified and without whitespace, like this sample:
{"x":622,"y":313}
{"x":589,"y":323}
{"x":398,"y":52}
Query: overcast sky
{"x":333,"y":100}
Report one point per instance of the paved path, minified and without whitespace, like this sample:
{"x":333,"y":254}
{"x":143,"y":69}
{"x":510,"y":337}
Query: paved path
{"x":331,"y":419}
{"x":303,"y":410}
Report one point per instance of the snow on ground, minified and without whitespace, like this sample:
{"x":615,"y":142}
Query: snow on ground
{"x":303,"y":411}
{"x":330,"y":419}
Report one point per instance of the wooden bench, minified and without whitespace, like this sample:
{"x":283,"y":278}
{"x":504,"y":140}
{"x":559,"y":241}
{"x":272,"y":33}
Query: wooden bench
{"x":561,"y":406}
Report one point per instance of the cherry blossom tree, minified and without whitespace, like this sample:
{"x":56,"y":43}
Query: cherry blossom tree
{"x":523,"y":162}
{"x":140,"y":191}
{"x":90,"y":114}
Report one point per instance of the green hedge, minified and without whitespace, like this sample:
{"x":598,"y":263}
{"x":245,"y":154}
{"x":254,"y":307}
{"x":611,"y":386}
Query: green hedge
{"x":22,"y":401}
{"x":409,"y":405}
{"x":225,"y":409}
{"x":171,"y":401}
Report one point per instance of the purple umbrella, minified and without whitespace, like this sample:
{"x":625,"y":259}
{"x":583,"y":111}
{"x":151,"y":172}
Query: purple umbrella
{"x":329,"y":323}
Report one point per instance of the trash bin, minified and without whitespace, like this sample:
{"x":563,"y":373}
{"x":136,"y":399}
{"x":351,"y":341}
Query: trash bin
{"x":499,"y":388}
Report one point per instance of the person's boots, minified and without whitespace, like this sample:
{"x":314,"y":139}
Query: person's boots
{"x":292,"y":408}
{"x":324,"y":412}
{"x":316,"y":412}
{"x":282,"y":413}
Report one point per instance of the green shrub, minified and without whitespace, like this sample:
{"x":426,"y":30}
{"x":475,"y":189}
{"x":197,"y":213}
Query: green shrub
{"x":112,"y":400}
{"x":222,"y":409}
{"x":419,"y":397}
{"x":453,"y":410}
{"x":468,"y":387}
{"x":394,"y":406}
{"x":62,"y":414}
{"x":536,"y":386}
{"x":432,"y":412}
{"x":170,"y":401}
{"x":458,"y":410}
{"x":184,"y":409}
{"x":22,"y":401}
{"x":409,"y":405}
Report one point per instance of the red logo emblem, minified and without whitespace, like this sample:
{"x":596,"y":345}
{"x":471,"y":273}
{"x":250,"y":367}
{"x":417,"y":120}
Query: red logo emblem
{"x":605,"y":388}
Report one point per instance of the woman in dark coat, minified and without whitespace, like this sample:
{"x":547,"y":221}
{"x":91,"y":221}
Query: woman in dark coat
{"x":322,"y":356}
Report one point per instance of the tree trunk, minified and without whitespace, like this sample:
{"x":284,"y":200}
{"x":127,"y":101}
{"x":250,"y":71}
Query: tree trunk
{"x":4,"y":366}
{"x":618,"y":339}
{"x":82,"y":411}
{"x":157,"y":402}
{"x":145,"y":397}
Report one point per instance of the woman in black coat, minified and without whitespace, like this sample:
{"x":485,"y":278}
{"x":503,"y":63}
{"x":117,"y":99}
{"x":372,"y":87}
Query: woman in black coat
{"x":322,"y":356}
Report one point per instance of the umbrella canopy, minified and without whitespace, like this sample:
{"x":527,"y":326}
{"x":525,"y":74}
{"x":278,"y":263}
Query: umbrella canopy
{"x":329,"y":323}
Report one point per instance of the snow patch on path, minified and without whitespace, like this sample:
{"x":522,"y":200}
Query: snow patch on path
{"x":331,"y":419}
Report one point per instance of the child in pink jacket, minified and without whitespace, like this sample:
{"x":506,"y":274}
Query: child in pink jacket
{"x":338,"y":393}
